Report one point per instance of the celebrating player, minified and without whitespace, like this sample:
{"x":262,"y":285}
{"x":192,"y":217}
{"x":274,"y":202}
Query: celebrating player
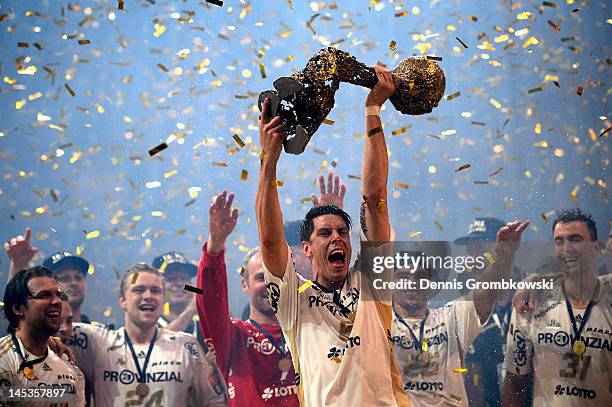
{"x":565,"y":341}
{"x":141,"y":364}
{"x":323,"y":321}
{"x":431,"y":343}
{"x":33,"y":307}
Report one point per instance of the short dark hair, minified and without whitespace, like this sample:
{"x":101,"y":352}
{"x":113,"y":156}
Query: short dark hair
{"x":140,"y":268}
{"x":577,"y":214}
{"x":17,"y":292}
{"x":307,"y":226}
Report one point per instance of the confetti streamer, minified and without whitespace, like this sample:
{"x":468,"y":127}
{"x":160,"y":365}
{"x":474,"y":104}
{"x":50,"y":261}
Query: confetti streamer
{"x":399,"y":131}
{"x":497,"y":171}
{"x":193,"y":289}
{"x":69,"y":89}
{"x":304,"y":286}
{"x":392,"y":45}
{"x":328,"y":122}
{"x":277,"y":183}
{"x":549,"y":4}
{"x":215,"y":2}
{"x":439,"y":225}
{"x":353,"y":176}
{"x":401,"y":14}
{"x":238,"y":140}
{"x":304,"y":200}
{"x":463,"y":167}
{"x":461,"y":42}
{"x":605,"y":131}
{"x":453,"y":96}
{"x":262,"y":71}
{"x":374,"y":131}
{"x":553,"y":25}
{"x":134,"y":278}
{"x":162,"y":67}
{"x":23,"y":44}
{"x":244,"y":175}
{"x":534,"y":90}
{"x":84,"y":42}
{"x":166,"y":308}
{"x":220,"y":164}
{"x":157,"y":149}
{"x":489,"y":258}
{"x":434,"y":58}
{"x":401,"y":185}
{"x":460,"y":370}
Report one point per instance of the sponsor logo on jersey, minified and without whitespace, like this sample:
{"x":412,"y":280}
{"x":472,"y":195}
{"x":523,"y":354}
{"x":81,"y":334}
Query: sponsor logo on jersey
{"x":231,"y":390}
{"x":192,"y":348}
{"x":128,"y":377}
{"x":79,"y":339}
{"x":407,"y":343}
{"x":264,"y":346}
{"x":553,"y":323}
{"x":562,"y":339}
{"x":46,"y":368}
{"x":65,"y":377}
{"x":216,"y":383}
{"x":273,"y":295}
{"x":575,"y":391}
{"x":520,"y":355}
{"x":547,"y":309}
{"x":423,"y":386}
{"x":166,"y":363}
{"x":284,"y":391}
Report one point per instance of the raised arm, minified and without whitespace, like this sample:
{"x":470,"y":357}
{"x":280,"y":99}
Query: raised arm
{"x":375,"y":166}
{"x":212,"y":304}
{"x":272,"y":241}
{"x":20,"y":251}
{"x":507,"y":242}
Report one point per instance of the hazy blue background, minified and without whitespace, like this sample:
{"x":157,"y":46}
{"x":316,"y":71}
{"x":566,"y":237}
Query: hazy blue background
{"x":125,"y":104}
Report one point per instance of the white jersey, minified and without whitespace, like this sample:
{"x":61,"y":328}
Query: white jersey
{"x":178,"y":372}
{"x":541,"y":342}
{"x":334,"y":364}
{"x":437,"y":378}
{"x":54,"y":376}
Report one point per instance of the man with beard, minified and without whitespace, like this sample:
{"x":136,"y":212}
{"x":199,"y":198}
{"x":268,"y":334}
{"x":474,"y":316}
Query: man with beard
{"x":431,"y":343}
{"x":141,"y":364}
{"x":323,"y":320}
{"x":33,"y":307}
{"x":564,"y":343}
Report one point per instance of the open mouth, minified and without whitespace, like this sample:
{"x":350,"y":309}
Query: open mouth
{"x":147,"y":308}
{"x":53,"y":314}
{"x":337,"y":258}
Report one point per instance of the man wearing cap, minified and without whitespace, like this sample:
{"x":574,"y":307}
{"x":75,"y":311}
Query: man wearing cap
{"x":178,"y":272}
{"x":29,"y":370}
{"x":485,"y":357}
{"x":69,"y":269}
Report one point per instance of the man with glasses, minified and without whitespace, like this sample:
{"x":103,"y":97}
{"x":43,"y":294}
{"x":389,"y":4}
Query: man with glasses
{"x":28,"y":369}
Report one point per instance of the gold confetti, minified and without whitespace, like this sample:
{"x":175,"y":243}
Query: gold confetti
{"x":244,"y":175}
{"x":460,"y":370}
{"x":162,"y":67}
{"x":134,"y":278}
{"x":530,"y":41}
{"x":463,"y":167}
{"x":23,"y":44}
{"x":277,"y":183}
{"x":304,"y":200}
{"x":574,"y":193}
{"x":439,"y":225}
{"x":84,"y":42}
{"x":401,"y":185}
{"x":108,"y":311}
{"x":238,"y":140}
{"x":233,"y":150}
{"x":401,"y":14}
{"x":489,"y":258}
{"x":523,"y":16}
{"x":453,"y":96}
{"x":413,"y":234}
{"x":220,"y":164}
{"x":579,"y":90}
{"x":92,"y":235}
{"x":170,"y":173}
{"x":553,"y":25}
{"x":327,"y":121}
{"x":434,"y":58}
{"x":534,"y":90}
{"x":304,"y":286}
{"x":262,"y":70}
{"x":424,"y":346}
{"x":166,"y":308}
{"x":353,"y":177}
{"x":392,"y":45}
{"x":399,"y":131}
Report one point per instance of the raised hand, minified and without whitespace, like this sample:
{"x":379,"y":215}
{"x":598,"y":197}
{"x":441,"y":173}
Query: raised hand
{"x":508,"y":238}
{"x":333,"y":194}
{"x":272,"y":133}
{"x":384,"y":88}
{"x":20,"y":250}
{"x":221,"y":221}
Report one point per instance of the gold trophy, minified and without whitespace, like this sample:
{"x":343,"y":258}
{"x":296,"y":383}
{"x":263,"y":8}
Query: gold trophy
{"x":305,"y":98}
